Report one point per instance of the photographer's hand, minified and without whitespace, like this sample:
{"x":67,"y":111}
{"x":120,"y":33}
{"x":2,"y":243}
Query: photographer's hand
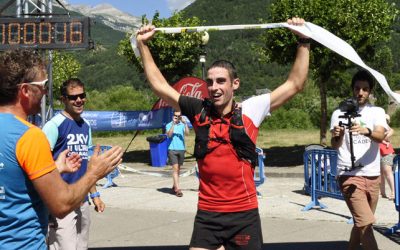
{"x":356,"y":128}
{"x":337,"y":136}
{"x":338,"y":131}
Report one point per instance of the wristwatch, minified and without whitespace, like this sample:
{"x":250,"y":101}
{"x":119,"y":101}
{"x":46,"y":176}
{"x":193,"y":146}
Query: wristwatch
{"x":303,"y":40}
{"x":369,"y":132}
{"x":94,"y":195}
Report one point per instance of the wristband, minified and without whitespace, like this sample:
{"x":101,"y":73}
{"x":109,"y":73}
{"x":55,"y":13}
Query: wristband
{"x":303,"y":40}
{"x":94,"y":195}
{"x":369,"y":132}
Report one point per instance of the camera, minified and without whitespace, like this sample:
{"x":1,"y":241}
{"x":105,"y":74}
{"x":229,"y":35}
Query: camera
{"x":349,"y":107}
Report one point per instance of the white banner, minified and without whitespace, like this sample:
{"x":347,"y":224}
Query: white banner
{"x":311,"y":30}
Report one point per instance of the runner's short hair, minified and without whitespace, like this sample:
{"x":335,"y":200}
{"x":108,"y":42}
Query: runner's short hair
{"x":226,"y":65}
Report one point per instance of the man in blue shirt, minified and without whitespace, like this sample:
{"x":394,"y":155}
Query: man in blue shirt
{"x":30,"y":182}
{"x":176,"y":131}
{"x":68,"y":130}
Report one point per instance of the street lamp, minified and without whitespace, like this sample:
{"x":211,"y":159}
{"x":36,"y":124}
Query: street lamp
{"x":204,"y":40}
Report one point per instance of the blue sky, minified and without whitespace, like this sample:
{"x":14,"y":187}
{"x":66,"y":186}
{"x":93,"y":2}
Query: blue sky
{"x":140,"y":7}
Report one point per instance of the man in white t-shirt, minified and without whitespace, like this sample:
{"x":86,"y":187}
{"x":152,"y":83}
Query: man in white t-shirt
{"x":359,"y":178}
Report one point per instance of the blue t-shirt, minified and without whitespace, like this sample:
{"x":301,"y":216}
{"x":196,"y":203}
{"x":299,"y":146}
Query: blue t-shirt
{"x":62,"y":133}
{"x":177,"y":141}
{"x":24,"y":156}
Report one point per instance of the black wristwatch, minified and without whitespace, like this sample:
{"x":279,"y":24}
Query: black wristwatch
{"x":369,"y":132}
{"x":303,"y":40}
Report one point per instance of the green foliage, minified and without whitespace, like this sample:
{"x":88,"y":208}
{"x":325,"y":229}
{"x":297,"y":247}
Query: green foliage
{"x":65,"y":66}
{"x":175,"y":54}
{"x":363,"y":24}
{"x":104,"y":69}
{"x":122,"y":98}
{"x":395,"y":119}
{"x":238,"y":46}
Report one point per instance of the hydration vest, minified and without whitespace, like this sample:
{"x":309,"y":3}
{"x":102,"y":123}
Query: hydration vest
{"x":241,"y":142}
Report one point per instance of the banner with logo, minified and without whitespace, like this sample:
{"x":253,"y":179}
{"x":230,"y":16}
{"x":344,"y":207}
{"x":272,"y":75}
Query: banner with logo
{"x":158,"y":117}
{"x":188,"y":86}
{"x":126,"y":120}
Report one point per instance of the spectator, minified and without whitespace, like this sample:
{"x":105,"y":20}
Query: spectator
{"x":68,"y":130}
{"x":176,"y":131}
{"x":360,"y":185}
{"x":387,"y":156}
{"x":31,"y":185}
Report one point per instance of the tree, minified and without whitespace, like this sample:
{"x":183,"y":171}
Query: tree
{"x":65,"y":66}
{"x":175,"y":54}
{"x":364,"y":24}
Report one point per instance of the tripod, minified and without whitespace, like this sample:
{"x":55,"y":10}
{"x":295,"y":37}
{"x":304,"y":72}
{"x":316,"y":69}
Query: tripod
{"x":349,"y":116}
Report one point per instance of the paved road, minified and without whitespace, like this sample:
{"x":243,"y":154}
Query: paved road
{"x":142,"y":214}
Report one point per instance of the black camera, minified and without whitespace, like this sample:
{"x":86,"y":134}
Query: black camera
{"x":349,"y":107}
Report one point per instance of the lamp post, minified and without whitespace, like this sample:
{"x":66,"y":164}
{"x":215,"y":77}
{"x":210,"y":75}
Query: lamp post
{"x":203,"y":53}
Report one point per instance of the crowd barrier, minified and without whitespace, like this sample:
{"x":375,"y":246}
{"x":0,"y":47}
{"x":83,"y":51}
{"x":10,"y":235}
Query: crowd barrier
{"x":320,"y":172}
{"x":320,"y":176}
{"x":109,"y":178}
{"x":260,"y":178}
{"x":396,"y":194}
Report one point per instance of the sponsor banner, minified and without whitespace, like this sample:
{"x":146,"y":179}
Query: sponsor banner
{"x":127,"y":120}
{"x":189,"y":86}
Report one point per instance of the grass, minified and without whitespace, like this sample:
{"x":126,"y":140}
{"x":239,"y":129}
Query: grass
{"x":266,"y":139}
{"x":282,"y":147}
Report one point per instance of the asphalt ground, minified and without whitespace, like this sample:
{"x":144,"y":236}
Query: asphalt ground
{"x":142,"y":213}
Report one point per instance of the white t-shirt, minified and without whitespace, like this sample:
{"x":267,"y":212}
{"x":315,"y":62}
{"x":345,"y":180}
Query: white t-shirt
{"x":366,"y":151}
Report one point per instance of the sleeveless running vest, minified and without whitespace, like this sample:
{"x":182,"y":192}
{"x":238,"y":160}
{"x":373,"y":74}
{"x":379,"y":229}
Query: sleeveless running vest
{"x":241,"y":142}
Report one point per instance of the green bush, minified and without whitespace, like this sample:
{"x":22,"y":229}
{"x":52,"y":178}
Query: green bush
{"x":292,"y":118}
{"x":121,"y":98}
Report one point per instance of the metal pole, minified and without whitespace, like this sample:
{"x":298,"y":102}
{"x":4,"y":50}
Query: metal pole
{"x":26,"y":8}
{"x":19,"y":8}
{"x":203,"y":65}
{"x":50,"y":73}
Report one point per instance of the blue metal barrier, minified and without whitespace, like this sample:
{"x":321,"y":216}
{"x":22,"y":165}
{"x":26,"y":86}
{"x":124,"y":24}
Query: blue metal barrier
{"x":113,"y":173}
{"x":259,"y":180}
{"x":396,"y":194}
{"x":320,"y":176}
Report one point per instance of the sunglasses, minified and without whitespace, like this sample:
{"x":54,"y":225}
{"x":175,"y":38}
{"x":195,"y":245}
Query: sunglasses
{"x":75,"y":97}
{"x":39,"y":83}
{"x":177,"y":116}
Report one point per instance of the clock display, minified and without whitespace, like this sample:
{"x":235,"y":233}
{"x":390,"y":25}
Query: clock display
{"x":45,"y":33}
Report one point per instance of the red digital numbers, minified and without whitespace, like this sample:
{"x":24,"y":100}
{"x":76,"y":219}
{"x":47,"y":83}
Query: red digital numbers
{"x":45,"y":33}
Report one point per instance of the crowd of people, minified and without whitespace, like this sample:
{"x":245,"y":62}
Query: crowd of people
{"x":48,"y":177}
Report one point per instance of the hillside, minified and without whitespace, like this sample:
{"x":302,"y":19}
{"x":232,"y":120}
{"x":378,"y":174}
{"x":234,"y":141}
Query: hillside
{"x":102,"y":67}
{"x":236,"y":46}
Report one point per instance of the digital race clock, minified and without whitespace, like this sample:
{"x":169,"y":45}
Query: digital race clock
{"x":45,"y":33}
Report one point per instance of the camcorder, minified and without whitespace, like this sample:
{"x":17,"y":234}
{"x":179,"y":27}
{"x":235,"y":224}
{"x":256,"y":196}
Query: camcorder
{"x":350,"y":109}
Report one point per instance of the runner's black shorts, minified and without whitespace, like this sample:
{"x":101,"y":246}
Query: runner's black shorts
{"x":236,"y":230}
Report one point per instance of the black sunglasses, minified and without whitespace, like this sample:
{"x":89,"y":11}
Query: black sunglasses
{"x":75,"y":97}
{"x":177,"y":116}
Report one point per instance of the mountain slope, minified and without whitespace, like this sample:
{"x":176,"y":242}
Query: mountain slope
{"x":108,"y":15}
{"x":236,"y":46}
